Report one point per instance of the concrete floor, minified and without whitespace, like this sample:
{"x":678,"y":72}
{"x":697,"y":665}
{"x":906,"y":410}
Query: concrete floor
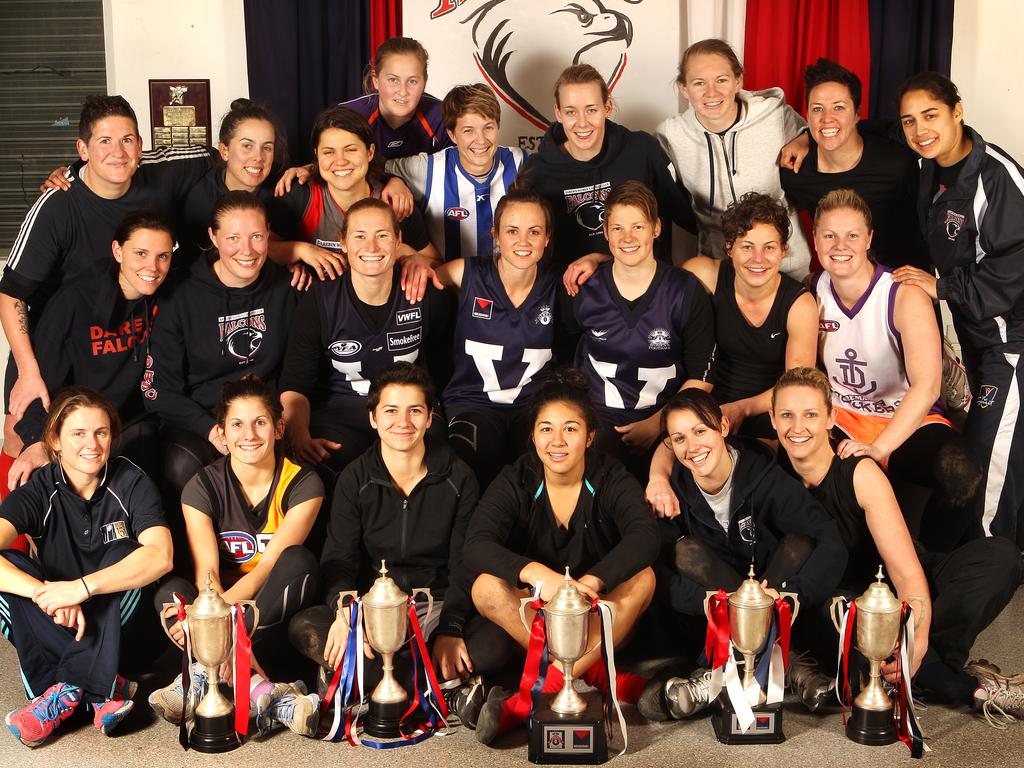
{"x":957,"y":738}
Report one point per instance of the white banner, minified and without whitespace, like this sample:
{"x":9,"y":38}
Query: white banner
{"x":520,"y":47}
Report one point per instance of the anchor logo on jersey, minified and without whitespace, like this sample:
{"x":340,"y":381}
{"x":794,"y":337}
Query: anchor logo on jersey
{"x":483,"y":308}
{"x":853,"y":373}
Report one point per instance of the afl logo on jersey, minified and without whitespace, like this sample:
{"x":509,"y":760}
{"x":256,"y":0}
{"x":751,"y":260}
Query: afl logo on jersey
{"x":659,"y":338}
{"x":828,"y":326}
{"x":345,"y":348}
{"x":458,"y":214}
{"x":238,"y":546}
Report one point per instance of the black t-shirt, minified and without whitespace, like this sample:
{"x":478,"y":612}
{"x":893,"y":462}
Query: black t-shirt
{"x":886,"y":177}
{"x":750,"y":358}
{"x":72,"y":534}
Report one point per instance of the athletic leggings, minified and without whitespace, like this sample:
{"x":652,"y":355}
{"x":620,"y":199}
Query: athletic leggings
{"x":292,"y":585}
{"x":488,"y":438}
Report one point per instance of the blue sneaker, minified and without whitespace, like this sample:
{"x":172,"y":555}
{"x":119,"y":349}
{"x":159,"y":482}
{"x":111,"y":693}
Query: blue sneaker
{"x":289,"y":705}
{"x":169,"y":702}
{"x":36,"y":721}
{"x":108,"y":715}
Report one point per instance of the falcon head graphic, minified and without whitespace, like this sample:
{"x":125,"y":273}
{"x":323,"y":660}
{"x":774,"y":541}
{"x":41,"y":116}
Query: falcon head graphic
{"x":521,"y":47}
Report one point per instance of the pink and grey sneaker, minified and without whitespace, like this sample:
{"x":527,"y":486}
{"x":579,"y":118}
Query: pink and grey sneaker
{"x":36,"y":721}
{"x":108,"y":715}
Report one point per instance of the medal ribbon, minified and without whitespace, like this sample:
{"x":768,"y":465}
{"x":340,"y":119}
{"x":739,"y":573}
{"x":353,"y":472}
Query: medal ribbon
{"x":344,"y":676}
{"x":717,"y":642}
{"x":242,"y":659}
{"x":847,"y":630}
{"x":186,"y":669}
{"x":907,"y":726}
{"x":608,"y":656}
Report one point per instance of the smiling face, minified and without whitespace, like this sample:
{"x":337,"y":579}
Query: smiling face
{"x":250,"y":432}
{"x":522,"y":235}
{"x":400,"y":85}
{"x":933,"y":129}
{"x":831,"y":116}
{"x":802,"y":421}
{"x":476,"y":137}
{"x":370,"y":242}
{"x":241,"y":242}
{"x":582,"y":114}
{"x":700,"y":448}
{"x":83,"y":443}
{"x":842,"y":240}
{"x":757,"y":254}
{"x":112,"y":153}
{"x":561,"y":437}
{"x":711,"y":89}
{"x":343,"y":160}
{"x":630,"y":235}
{"x":145,"y":258}
{"x":402,"y":417}
{"x":249,"y":155}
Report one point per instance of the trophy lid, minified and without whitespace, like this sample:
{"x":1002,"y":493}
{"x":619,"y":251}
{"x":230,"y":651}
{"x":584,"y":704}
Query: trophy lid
{"x":878,"y":598}
{"x":750,"y":594}
{"x":384,"y":593}
{"x":568,"y":601}
{"x":208,"y":604}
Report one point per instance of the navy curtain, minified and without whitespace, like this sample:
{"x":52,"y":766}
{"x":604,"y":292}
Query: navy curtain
{"x":907,"y":36}
{"x":304,"y":55}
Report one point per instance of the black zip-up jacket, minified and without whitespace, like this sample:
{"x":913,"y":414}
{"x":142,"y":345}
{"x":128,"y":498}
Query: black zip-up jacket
{"x":975,"y":236}
{"x":210,"y":334}
{"x":612,"y":533}
{"x":419,"y":536}
{"x":768,"y":504}
{"x":90,"y":334}
{"x":576,"y":189}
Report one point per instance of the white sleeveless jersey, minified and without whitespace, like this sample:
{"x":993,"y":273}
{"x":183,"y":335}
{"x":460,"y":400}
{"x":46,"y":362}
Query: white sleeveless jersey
{"x":860,"y":348}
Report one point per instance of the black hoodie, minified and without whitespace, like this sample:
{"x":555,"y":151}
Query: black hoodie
{"x":90,"y":334}
{"x":576,"y":189}
{"x":767,"y":504}
{"x":611,"y":535}
{"x":419,"y":536}
{"x":210,"y":334}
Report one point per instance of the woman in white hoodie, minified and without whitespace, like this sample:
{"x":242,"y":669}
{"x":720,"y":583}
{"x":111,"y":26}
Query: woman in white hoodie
{"x":727,"y":143}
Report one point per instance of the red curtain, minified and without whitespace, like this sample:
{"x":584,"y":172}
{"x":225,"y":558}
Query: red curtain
{"x":784,"y":36}
{"x":385,"y":21}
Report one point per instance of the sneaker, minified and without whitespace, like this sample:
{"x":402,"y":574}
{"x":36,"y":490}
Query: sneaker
{"x":169,"y":702}
{"x":488,"y":723}
{"x":36,"y":721}
{"x":803,"y":678}
{"x":108,"y":715}
{"x":289,"y":705}
{"x":686,"y":696}
{"x":999,"y":697}
{"x":464,"y":700}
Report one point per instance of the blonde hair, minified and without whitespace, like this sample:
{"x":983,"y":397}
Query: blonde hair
{"x":842,"y":198}
{"x":581,"y":74}
{"x":804,"y":376}
{"x":69,"y":400}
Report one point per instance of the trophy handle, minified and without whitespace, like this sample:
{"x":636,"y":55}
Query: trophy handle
{"x":255,"y":612}
{"x":430,"y":600}
{"x":163,"y":619}
{"x":836,"y":611}
{"x":707,"y":599}
{"x":523,"y":602}
{"x":796,"y":605}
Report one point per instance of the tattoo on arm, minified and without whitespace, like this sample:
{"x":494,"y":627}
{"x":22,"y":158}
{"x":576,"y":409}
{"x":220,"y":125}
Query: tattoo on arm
{"x":21,"y":309}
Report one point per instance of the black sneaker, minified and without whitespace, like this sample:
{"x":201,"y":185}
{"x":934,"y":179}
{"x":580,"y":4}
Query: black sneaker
{"x":816,"y":690}
{"x":464,"y":700}
{"x":488,"y":724}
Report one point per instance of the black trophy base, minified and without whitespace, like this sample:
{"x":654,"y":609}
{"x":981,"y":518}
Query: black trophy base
{"x":568,"y":739}
{"x":383,"y":721}
{"x":212,"y":735}
{"x":766,"y":728}
{"x":872,"y":727}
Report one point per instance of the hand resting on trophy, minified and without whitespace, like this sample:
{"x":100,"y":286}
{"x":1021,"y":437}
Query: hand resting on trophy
{"x":337,"y":639}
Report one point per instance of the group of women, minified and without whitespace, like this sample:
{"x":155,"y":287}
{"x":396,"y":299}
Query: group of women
{"x":328,"y":312}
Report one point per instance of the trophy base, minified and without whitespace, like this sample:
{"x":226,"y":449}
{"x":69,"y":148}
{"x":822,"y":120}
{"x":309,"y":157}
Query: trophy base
{"x":568,"y":739}
{"x":872,"y":727}
{"x":383,"y":721}
{"x":766,"y":728}
{"x":212,"y":735}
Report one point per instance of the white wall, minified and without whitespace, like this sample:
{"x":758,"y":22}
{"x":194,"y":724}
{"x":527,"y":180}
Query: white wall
{"x":161,"y":39}
{"x":988,"y":59}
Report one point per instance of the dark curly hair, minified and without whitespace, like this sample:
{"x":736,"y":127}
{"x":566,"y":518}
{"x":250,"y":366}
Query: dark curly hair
{"x":751,"y":209}
{"x":566,"y":385}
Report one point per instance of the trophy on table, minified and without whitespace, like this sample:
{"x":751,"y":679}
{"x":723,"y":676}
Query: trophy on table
{"x":567,"y":728}
{"x":386,"y":617}
{"x":212,"y":639}
{"x":751,"y":622}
